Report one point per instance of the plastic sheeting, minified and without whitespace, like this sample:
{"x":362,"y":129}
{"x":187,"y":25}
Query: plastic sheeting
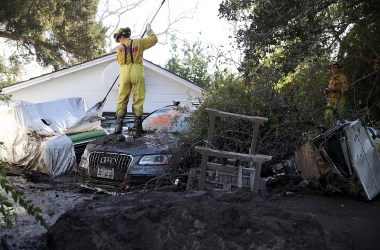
{"x":34,"y":135}
{"x":70,"y":116}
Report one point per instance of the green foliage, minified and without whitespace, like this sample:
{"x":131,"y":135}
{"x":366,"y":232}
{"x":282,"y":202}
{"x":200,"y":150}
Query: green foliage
{"x":8,"y":74}
{"x":191,"y":64}
{"x":303,"y":90}
{"x":56,"y":33}
{"x":5,"y":98}
{"x":280,"y":136}
{"x":287,"y":47}
{"x":295,"y":27}
{"x":359,"y":51}
{"x":282,"y":39}
{"x":293,"y":105}
{"x":6,"y":206}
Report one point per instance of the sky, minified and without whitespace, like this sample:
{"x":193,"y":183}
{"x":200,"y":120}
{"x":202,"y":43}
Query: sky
{"x":203,"y":24}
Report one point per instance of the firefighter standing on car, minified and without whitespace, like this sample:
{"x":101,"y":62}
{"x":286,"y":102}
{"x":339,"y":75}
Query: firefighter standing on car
{"x":336,"y":87}
{"x":132,"y":79}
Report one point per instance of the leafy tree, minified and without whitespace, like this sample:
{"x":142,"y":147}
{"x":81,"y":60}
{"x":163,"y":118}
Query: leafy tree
{"x":59,"y":34}
{"x":9,"y":74}
{"x":287,"y":47}
{"x":280,"y":136}
{"x":360,"y":55}
{"x":5,"y":98}
{"x":191,"y":64}
{"x":297,"y":33}
{"x":55,"y":33}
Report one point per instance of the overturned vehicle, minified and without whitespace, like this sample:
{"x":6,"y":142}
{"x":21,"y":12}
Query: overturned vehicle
{"x":345,"y":159}
{"x":113,"y":162}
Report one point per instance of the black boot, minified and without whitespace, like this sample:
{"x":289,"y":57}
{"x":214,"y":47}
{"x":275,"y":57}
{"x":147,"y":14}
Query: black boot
{"x":119,"y":124}
{"x":138,"y":126}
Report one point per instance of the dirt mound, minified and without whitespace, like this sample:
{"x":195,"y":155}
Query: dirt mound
{"x":292,"y":217}
{"x":198,"y":220}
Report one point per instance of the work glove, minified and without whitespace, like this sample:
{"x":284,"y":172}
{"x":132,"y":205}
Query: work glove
{"x":148,"y":27}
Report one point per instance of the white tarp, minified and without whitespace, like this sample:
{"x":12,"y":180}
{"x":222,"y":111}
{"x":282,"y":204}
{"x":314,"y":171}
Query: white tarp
{"x":34,"y":135}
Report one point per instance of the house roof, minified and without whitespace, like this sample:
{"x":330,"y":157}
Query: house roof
{"x":105,"y":58}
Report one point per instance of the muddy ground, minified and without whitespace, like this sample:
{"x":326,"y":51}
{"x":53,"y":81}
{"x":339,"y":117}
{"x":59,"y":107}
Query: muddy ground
{"x":289,"y":218}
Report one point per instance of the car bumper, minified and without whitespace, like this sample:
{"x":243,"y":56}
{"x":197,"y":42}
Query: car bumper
{"x":134,"y":174}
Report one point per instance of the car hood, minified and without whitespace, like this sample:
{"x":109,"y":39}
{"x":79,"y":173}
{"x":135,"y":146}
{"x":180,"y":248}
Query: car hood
{"x":147,"y":144}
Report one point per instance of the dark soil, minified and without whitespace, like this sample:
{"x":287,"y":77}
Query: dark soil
{"x":219,"y":220}
{"x":297,"y":218}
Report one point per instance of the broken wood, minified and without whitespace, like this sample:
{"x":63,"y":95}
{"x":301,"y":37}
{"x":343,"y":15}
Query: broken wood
{"x":233,"y":155}
{"x":309,"y":161}
{"x":254,"y":161}
{"x":256,"y":119}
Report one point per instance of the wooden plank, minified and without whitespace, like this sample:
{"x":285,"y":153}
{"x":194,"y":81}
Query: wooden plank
{"x":257,"y":119}
{"x":226,"y":181}
{"x":202,"y":176}
{"x":191,"y":178}
{"x":240,"y":177}
{"x":252,"y":180}
{"x":211,"y":129}
{"x":233,"y":155}
{"x":221,"y":167}
{"x":226,"y":168}
{"x":252,"y":173}
{"x":254,"y":138}
{"x":257,"y":177}
{"x":306,"y":162}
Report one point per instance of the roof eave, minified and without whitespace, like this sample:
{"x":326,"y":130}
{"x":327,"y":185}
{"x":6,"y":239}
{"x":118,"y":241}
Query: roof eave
{"x":106,"y":58}
{"x":59,"y":73}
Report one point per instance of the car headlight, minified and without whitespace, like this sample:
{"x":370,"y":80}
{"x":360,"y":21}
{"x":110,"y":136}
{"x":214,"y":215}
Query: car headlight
{"x":161,"y":159}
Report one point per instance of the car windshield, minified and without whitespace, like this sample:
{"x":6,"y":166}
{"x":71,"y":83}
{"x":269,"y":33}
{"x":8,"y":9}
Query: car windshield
{"x":169,"y":119}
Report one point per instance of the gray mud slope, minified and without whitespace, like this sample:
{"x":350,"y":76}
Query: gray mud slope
{"x":199,"y":220}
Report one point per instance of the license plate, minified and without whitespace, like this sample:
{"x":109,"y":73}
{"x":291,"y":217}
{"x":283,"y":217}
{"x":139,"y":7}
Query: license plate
{"x":104,"y":172}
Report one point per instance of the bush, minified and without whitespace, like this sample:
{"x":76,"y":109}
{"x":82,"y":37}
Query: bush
{"x":289,"y":124}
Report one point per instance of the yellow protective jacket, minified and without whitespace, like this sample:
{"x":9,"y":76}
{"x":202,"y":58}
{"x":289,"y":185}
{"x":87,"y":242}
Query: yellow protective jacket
{"x":137,"y":49}
{"x":339,"y":84}
{"x":130,"y":57}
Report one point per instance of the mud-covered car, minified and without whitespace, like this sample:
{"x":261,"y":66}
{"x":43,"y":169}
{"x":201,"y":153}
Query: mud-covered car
{"x":109,"y":160}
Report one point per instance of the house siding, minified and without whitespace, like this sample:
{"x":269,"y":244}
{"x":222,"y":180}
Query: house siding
{"x":91,"y":83}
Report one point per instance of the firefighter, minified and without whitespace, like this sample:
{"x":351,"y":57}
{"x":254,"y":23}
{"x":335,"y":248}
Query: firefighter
{"x":130,"y":57}
{"x":336,"y":87}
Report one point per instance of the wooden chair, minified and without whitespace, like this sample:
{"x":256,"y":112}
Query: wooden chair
{"x":254,"y":160}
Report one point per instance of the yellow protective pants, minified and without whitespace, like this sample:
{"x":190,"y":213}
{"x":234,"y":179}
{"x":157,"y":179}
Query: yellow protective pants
{"x":131,"y":79}
{"x":334,"y":111}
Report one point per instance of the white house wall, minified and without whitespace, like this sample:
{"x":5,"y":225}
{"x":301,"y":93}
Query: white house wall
{"x":160,"y":89}
{"x":83,"y":83}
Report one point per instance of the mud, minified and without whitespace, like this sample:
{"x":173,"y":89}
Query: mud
{"x":54,"y":196}
{"x":219,"y":220}
{"x":294,"y":218}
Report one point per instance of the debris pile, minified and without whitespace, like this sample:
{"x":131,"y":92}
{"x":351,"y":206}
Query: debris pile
{"x":345,"y":159}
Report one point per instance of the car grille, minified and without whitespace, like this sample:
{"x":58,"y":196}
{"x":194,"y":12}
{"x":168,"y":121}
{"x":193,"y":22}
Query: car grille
{"x":116,"y":160}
